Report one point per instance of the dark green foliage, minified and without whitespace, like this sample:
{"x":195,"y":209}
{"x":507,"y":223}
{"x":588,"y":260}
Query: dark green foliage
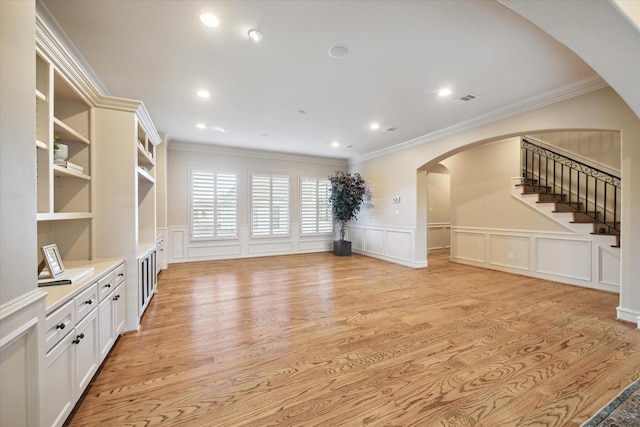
{"x":347,"y":191}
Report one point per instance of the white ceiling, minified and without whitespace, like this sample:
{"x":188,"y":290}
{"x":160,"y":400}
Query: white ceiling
{"x":400,"y":53}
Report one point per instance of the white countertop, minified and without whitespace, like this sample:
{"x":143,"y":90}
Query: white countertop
{"x":60,"y":294}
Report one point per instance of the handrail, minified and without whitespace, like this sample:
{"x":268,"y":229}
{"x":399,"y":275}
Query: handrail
{"x":568,"y":181}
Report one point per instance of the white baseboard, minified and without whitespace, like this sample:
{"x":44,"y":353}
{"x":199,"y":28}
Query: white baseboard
{"x":628,"y":315}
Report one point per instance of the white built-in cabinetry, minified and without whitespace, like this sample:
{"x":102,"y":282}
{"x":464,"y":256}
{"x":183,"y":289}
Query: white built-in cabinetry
{"x":63,"y":193}
{"x":83,"y":321}
{"x":125,"y":221}
{"x":99,"y":208}
{"x":104,"y":206}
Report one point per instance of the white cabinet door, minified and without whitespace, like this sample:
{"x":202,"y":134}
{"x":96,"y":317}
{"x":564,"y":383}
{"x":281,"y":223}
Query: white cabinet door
{"x":59,"y":382}
{"x":87,"y":350}
{"x":106,"y":322}
{"x":119,"y":300}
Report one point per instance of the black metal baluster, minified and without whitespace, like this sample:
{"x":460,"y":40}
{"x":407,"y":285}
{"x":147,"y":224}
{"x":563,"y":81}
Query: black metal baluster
{"x":604,"y":219}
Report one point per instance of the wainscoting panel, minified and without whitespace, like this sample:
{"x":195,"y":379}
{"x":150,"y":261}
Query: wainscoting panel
{"x":270,"y":248}
{"x":21,"y":358}
{"x":564,"y":257}
{"x":213,"y":251}
{"x":438,"y":235}
{"x":182,"y":249}
{"x":399,"y":244}
{"x":393,"y":244}
{"x":508,"y":250}
{"x":469,"y":245}
{"x":315,"y":245}
{"x":374,"y":241}
{"x":356,"y":235}
{"x":608,"y":267}
{"x":177,"y":244}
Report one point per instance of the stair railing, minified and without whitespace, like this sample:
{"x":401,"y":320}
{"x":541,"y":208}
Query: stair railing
{"x":582,"y":186}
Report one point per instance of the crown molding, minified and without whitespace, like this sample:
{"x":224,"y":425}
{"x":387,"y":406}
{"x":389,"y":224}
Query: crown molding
{"x":254,"y":154}
{"x":54,"y":42}
{"x":544,"y":99}
{"x":52,"y":39}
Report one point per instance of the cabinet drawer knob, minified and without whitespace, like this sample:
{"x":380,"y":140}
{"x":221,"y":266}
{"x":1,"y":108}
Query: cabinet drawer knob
{"x":108,"y":285}
{"x":120,"y":274}
{"x":88,"y":302}
{"x":60,"y":326}
{"x":81,"y":336}
{"x":76,"y":341}
{"x":116,"y":297}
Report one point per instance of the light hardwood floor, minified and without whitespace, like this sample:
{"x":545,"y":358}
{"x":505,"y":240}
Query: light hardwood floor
{"x":318,"y":340}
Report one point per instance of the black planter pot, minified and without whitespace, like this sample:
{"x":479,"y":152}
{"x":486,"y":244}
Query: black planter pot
{"x":341,"y":248}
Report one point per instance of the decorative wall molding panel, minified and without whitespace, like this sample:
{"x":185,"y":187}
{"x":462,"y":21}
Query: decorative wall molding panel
{"x":438,"y":235}
{"x":22,"y":324}
{"x":393,"y":244}
{"x":183,"y":249}
{"x":562,"y":257}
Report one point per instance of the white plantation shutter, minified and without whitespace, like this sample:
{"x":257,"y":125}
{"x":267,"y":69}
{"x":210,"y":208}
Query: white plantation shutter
{"x":315,"y":207}
{"x":226,"y":204}
{"x":269,"y":205}
{"x":214,"y":205}
{"x":325,"y":217}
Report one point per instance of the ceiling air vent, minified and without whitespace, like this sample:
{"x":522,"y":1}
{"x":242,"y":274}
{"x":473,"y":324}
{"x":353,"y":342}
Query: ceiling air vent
{"x":391,"y":129}
{"x":465,"y":99}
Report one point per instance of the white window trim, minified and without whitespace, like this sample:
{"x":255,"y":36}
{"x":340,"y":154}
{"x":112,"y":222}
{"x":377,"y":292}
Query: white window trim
{"x":270,"y":235}
{"x":314,"y":233}
{"x":215,"y":235}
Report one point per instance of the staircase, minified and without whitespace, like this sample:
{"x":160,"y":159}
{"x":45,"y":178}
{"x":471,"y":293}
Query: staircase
{"x":571,"y":190}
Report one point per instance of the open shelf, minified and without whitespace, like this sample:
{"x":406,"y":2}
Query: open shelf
{"x":41,"y":96}
{"x":40,"y":144}
{"x":63,"y":216}
{"x":144,"y":157}
{"x":61,"y":171}
{"x":143,"y":174}
{"x":67,"y":133}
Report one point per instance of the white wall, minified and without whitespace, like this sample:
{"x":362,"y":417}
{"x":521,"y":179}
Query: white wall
{"x":18,"y":239}
{"x":21,"y":302}
{"x":481,"y":189}
{"x":183,"y":156}
{"x":439,"y":210}
{"x":600,"y":109}
{"x":598,"y":148}
{"x":495,"y":226}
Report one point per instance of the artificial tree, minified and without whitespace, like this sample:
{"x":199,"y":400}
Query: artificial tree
{"x":347,"y":192}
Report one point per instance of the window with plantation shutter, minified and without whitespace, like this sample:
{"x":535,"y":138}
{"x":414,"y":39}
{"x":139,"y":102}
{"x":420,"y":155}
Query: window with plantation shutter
{"x":214,"y":205}
{"x":315,"y":209}
{"x":269,"y":205}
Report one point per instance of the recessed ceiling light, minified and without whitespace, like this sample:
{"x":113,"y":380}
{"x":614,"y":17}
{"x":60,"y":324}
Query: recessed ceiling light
{"x":374,"y":126}
{"x":335,"y":144}
{"x":203,"y":93}
{"x":219,"y":129}
{"x":201,"y":126}
{"x":338,"y":51}
{"x":255,"y":35}
{"x":444,"y":91}
{"x":209,"y":20}
{"x":350,"y":146}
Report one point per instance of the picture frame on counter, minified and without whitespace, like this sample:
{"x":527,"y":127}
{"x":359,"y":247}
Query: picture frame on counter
{"x":52,"y":260}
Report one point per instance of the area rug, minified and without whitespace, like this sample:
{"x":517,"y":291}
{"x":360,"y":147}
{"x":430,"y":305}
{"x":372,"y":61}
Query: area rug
{"x":622,"y":411}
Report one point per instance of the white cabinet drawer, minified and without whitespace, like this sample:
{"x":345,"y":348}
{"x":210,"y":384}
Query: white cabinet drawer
{"x":106,"y":285}
{"x":120,"y":274}
{"x":58,"y":324}
{"x":86,"y":301}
